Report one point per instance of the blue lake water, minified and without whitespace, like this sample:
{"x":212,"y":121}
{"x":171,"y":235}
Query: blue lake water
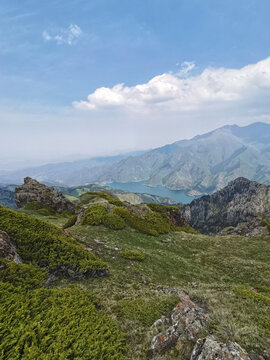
{"x":140,"y":187}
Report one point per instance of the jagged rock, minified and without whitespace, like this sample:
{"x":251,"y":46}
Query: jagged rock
{"x":252,"y":228}
{"x":7,"y":249}
{"x":32,"y":190}
{"x":187,"y":319}
{"x":211,"y":349}
{"x":241,"y":201}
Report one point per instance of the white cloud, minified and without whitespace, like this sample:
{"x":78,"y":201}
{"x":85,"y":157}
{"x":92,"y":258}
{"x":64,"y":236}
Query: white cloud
{"x":245,"y":89}
{"x":64,"y":36}
{"x":186,"y":68}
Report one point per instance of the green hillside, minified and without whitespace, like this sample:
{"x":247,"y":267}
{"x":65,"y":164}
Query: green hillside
{"x":111,"y":317}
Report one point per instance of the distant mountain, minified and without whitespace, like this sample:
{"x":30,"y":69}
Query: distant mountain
{"x":67,"y":173}
{"x":7,"y":197}
{"x":241,"y":206}
{"x":205,"y":163}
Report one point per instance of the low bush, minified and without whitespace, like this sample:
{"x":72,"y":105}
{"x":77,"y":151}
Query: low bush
{"x":163,"y":209}
{"x":56,"y":324}
{"x":146,"y":311}
{"x":152,"y":224}
{"x":71,"y":221}
{"x":132,"y":255}
{"x":94,"y":215}
{"x":44,"y":244}
{"x":113,"y":221}
{"x":85,"y":198}
{"x":26,"y":276}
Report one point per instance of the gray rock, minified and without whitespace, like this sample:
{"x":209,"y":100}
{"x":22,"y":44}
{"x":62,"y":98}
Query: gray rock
{"x":33,"y":191}
{"x":211,"y":349}
{"x":7,"y":249}
{"x":241,"y":202}
{"x":187,"y":319}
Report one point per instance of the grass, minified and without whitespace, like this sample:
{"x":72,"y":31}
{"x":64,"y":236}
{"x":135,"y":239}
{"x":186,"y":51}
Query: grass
{"x":218,"y":272}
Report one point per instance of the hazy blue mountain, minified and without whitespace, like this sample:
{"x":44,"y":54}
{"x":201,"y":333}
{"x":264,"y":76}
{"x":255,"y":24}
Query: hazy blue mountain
{"x":7,"y":196}
{"x":67,"y":173}
{"x":205,"y":163}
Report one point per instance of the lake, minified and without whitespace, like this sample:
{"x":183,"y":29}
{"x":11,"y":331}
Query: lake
{"x":140,"y":187}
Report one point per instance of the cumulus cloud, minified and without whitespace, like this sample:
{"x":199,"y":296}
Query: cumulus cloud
{"x":64,"y":36}
{"x":247,"y":88}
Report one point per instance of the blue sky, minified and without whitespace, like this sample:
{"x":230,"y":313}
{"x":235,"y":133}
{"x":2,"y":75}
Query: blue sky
{"x":55,"y":53}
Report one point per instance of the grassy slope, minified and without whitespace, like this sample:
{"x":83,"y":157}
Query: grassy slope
{"x":219,"y":272}
{"x":215,"y":270}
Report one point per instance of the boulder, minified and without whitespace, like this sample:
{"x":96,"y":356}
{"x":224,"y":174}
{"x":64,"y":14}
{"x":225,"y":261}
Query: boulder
{"x":33,"y":191}
{"x":7,"y":249}
{"x":211,"y":349}
{"x":186,"y":320}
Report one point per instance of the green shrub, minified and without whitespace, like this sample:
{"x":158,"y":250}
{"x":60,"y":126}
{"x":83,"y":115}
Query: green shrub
{"x":94,"y":215}
{"x":152,"y":224}
{"x":132,"y":255}
{"x":157,"y":222}
{"x":113,"y":221}
{"x":163,"y":209}
{"x":56,"y":324}
{"x":85,"y":198}
{"x":71,"y":221}
{"x":146,"y":311}
{"x":44,"y":244}
{"x":26,"y":276}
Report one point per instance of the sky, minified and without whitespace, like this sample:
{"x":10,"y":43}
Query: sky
{"x":83,"y":78}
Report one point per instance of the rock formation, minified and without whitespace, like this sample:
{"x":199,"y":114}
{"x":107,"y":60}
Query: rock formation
{"x":241,"y":202}
{"x":33,"y":191}
{"x":186,"y":320}
{"x":7,"y":249}
{"x":211,"y":349}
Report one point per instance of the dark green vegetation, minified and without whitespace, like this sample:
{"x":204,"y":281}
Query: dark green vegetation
{"x":54,"y":324}
{"x":43,"y":244}
{"x":85,"y":198}
{"x":154,"y":222}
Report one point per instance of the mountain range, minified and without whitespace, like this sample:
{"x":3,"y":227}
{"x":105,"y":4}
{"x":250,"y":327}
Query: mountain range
{"x":204,"y":163}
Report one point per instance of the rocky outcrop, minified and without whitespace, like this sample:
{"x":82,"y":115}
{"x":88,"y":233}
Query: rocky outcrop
{"x":186,"y":321}
{"x":241,"y":202}
{"x":33,"y":191}
{"x":211,"y":349}
{"x":7,"y":249}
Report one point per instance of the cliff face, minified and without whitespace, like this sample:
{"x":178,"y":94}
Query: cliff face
{"x":32,"y":190}
{"x":240,"y":204}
